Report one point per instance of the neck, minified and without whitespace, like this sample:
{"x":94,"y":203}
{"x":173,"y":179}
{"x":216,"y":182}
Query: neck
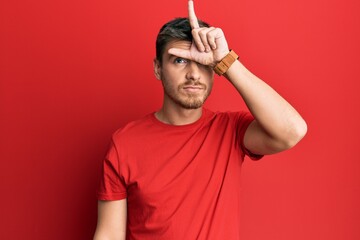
{"x":178,"y":115}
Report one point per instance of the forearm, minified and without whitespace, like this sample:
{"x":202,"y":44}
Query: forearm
{"x":273,"y":113}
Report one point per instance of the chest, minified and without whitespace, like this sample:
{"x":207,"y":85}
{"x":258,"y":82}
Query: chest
{"x":176,"y":165}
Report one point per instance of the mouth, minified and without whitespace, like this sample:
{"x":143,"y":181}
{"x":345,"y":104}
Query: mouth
{"x":193,"y":88}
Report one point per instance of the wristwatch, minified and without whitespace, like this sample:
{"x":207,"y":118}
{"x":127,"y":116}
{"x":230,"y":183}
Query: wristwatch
{"x":225,"y":63}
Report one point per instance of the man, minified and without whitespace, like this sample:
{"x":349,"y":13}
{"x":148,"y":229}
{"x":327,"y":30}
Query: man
{"x":175,"y":174}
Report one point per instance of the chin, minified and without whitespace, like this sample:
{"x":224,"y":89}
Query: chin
{"x":195,"y":104}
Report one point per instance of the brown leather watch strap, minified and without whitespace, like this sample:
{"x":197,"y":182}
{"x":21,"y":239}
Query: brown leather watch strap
{"x":225,"y":63}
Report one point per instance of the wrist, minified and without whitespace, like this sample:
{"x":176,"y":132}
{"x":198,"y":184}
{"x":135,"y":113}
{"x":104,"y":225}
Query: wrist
{"x":235,"y":70}
{"x":221,"y":67}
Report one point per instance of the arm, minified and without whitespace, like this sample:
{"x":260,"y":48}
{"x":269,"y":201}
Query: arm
{"x":277,"y":126}
{"x":111,"y":220}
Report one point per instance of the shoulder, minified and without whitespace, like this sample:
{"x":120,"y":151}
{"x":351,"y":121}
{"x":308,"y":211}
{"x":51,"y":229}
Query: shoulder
{"x":133,"y":128}
{"x":237,"y":121}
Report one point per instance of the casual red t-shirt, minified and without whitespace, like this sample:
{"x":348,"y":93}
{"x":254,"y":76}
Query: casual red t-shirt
{"x":181,"y":182}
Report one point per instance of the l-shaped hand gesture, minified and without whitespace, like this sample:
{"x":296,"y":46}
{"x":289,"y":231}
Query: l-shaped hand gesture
{"x":209,"y":45}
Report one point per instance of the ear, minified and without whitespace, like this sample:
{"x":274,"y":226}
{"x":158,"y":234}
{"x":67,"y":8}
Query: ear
{"x":157,"y":69}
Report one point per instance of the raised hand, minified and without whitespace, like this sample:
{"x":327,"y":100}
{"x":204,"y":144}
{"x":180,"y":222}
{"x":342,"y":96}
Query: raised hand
{"x":209,"y":45}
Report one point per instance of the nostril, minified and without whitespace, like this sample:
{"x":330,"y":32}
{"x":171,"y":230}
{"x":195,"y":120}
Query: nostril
{"x":194,"y":76}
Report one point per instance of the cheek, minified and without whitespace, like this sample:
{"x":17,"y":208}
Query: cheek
{"x":208,"y":72}
{"x":208,"y":76}
{"x":167,"y":81}
{"x":171,"y":76}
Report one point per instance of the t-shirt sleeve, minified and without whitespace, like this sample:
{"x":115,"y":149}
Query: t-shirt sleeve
{"x":112,"y":185}
{"x":243,"y":122}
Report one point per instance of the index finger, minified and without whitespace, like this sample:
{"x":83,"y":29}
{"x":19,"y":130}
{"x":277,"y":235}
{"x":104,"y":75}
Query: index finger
{"x":192,"y":17}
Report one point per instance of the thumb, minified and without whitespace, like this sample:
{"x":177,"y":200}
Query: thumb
{"x":182,"y":53}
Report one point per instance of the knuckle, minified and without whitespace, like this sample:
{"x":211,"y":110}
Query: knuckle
{"x":203,"y":34}
{"x":210,"y":34}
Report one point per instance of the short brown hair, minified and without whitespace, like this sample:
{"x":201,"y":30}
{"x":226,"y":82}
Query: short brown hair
{"x":176,"y":29}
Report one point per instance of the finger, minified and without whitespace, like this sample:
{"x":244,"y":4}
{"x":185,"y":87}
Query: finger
{"x":212,"y":36}
{"x":192,"y":17}
{"x":182,"y":53}
{"x":206,"y":38}
{"x":197,"y":39}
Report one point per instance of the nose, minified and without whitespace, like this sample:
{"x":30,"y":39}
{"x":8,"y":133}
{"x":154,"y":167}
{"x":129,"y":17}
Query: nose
{"x":193,"y":71}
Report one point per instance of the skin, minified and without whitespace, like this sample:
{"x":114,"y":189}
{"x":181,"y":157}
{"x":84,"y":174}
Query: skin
{"x":186,"y":84}
{"x":111,"y":223}
{"x":277,"y":125}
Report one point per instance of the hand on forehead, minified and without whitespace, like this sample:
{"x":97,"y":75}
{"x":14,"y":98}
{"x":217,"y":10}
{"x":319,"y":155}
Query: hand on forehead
{"x":208,"y":44}
{"x":192,"y":16}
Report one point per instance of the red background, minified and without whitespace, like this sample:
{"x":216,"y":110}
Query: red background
{"x":72,"y":72}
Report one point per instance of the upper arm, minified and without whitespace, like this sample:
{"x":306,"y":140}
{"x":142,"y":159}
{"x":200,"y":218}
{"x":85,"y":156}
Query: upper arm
{"x":257,"y":141}
{"x":111,"y":220}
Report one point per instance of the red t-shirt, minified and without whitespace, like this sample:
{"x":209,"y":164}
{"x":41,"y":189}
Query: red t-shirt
{"x":181,"y":182}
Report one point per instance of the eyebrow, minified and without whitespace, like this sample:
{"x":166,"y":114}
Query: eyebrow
{"x":171,"y":56}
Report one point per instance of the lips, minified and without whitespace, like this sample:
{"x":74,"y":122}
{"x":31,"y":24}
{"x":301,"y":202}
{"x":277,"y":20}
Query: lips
{"x":193,"y":87}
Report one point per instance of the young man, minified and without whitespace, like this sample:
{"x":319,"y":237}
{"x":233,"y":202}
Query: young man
{"x":175,"y":174}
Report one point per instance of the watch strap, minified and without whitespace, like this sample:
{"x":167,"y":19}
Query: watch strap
{"x":225,"y":63}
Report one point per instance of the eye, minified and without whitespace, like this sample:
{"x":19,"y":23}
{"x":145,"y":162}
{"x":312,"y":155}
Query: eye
{"x":180,"y":60}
